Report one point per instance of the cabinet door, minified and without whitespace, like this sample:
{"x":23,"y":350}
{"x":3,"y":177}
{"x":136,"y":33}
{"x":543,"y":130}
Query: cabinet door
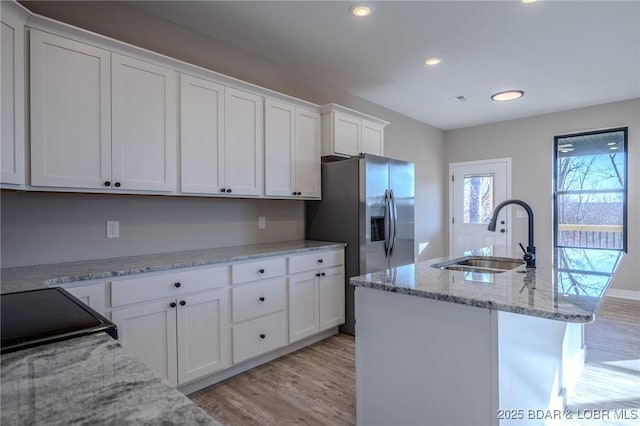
{"x":93,"y":295}
{"x":307,"y":154}
{"x":201,"y":135}
{"x":372,"y":138}
{"x":149,"y":332}
{"x":346,"y":134}
{"x":279,"y":135}
{"x":70,"y":113}
{"x":243,"y":140}
{"x":303,"y":306}
{"x":331,"y":290}
{"x":144,"y":125}
{"x":12,"y":76}
{"x":203,"y":334}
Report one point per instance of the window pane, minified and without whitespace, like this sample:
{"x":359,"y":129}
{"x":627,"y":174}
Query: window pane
{"x":590,"y":220}
{"x":478,"y":198}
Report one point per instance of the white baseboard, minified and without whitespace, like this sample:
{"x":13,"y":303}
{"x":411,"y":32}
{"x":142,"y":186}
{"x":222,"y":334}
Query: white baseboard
{"x":623,"y":294}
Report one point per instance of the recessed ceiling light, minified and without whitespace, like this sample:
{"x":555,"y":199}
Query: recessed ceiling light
{"x":360,"y":10}
{"x":612,"y":143}
{"x":507,"y":95}
{"x":529,"y":1}
{"x":432,"y":61}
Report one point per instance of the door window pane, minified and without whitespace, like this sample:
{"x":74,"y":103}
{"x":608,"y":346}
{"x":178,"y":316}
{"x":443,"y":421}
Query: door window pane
{"x":478,"y":198}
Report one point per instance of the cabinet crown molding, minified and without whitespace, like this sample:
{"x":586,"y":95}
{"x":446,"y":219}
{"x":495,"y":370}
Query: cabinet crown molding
{"x":339,"y":108}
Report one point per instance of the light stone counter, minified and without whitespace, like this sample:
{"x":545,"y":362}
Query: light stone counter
{"x":40,"y":276}
{"x":567,"y":285}
{"x":89,"y":380}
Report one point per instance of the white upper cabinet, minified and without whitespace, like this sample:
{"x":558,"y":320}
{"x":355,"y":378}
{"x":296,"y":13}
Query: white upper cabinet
{"x":12,"y":76}
{"x":346,"y":132}
{"x":292,"y":151}
{"x":221,"y":141}
{"x":70,"y":113}
{"x":145,"y":101}
{"x":243,"y":142}
{"x":201,"y":134}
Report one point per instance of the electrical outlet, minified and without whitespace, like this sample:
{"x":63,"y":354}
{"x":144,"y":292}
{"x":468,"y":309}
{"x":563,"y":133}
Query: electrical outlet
{"x":262,"y":223}
{"x":113,"y":229}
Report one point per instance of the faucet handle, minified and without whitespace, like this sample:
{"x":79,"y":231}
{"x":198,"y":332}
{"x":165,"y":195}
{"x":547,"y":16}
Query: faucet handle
{"x":522,"y":247}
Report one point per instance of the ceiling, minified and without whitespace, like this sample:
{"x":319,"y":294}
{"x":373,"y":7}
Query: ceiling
{"x":563,"y":54}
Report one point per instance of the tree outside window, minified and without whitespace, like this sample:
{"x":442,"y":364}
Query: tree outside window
{"x":591,"y":190}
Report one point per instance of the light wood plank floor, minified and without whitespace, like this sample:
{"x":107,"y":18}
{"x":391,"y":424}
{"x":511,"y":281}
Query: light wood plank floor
{"x":316,"y":385}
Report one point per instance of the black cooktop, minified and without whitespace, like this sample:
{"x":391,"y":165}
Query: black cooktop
{"x":36,"y":317}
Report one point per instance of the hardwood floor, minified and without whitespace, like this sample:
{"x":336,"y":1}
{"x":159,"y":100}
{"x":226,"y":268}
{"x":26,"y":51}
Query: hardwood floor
{"x":313,"y":386}
{"x":316,"y":385}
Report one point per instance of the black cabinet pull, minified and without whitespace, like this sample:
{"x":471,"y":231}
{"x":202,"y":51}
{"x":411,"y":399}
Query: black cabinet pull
{"x":294,"y":193}
{"x":261,"y":270}
{"x":262,"y":335}
{"x":317,"y":274}
{"x":172,"y":304}
{"x":229,"y":190}
{"x":107,"y":183}
{"x":299,"y":193}
{"x":322,"y":273}
{"x":223,"y":190}
{"x":117,"y":184}
{"x":182,"y":303}
{"x":320,"y":260}
{"x":177,"y":285}
{"x":261,"y":298}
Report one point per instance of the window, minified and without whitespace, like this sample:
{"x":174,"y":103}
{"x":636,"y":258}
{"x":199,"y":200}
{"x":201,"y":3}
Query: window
{"x":478,"y":198}
{"x":591,"y":190}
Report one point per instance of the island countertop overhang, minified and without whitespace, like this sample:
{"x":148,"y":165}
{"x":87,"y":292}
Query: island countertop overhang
{"x":568,"y":285}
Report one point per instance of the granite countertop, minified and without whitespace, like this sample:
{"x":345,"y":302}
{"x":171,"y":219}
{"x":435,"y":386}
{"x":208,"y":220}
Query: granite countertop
{"x":567,"y":285}
{"x":40,"y":276}
{"x":89,"y":380}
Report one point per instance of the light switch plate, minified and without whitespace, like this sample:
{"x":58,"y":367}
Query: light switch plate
{"x":262,"y":223}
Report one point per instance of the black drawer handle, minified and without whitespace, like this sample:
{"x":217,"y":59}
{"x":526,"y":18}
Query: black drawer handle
{"x":262,"y":335}
{"x":322,"y":273}
{"x":229,"y":190}
{"x":107,"y":183}
{"x":317,"y":274}
{"x":117,"y":184}
{"x":177,"y":285}
{"x":294,"y":193}
{"x":182,"y":303}
{"x":261,"y":270}
{"x":261,"y":298}
{"x":320,"y":260}
{"x":172,"y":304}
{"x":223,"y":190}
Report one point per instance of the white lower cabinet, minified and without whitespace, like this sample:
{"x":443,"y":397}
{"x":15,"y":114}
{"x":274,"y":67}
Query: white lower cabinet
{"x":316,"y":302}
{"x":203,"y":334}
{"x":149,"y":332}
{"x":259,"y":336}
{"x":182,"y":338}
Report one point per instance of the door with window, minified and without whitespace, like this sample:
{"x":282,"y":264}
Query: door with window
{"x":475,"y":188}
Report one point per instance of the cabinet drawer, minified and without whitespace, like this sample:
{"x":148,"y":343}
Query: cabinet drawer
{"x":259,"y":336}
{"x":254,"y":300}
{"x":154,"y":286}
{"x":315,"y":260}
{"x":265,"y":268}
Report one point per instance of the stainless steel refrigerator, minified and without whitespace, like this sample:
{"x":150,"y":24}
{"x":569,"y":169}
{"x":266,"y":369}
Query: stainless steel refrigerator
{"x":368,"y":203}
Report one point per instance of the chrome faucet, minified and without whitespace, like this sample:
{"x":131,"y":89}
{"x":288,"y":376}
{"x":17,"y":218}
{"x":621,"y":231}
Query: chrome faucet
{"x":530,"y":252}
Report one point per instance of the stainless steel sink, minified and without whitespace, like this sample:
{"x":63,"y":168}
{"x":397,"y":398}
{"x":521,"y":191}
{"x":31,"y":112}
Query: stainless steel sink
{"x":484,"y":264}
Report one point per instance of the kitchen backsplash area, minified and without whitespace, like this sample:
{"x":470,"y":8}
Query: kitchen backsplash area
{"x":40,"y":228}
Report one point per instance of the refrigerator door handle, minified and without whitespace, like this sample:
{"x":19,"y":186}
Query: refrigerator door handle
{"x":387,"y":223}
{"x":394,"y":222}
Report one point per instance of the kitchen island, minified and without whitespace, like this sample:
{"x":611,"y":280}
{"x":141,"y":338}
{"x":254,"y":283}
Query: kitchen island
{"x":89,"y":380}
{"x":471,"y":347}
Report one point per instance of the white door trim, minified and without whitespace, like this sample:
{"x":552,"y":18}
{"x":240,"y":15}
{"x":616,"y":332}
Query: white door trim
{"x":506,"y":160}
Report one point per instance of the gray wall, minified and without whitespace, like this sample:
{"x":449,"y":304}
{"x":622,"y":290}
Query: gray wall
{"x":45,"y":228}
{"x":529,"y":142}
